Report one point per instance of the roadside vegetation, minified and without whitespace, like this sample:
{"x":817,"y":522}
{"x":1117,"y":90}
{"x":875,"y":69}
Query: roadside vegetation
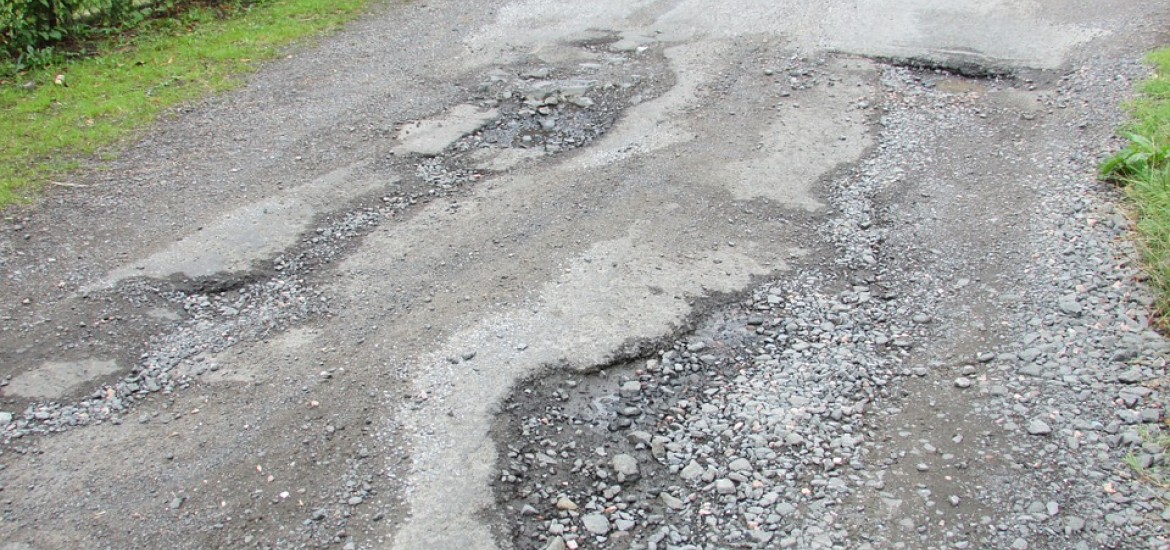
{"x":1142,"y":168}
{"x":67,"y":96}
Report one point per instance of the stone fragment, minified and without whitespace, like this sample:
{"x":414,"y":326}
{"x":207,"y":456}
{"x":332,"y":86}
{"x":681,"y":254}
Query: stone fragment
{"x":597,"y":524}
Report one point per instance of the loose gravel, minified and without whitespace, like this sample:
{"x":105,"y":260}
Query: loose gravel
{"x":782,"y":420}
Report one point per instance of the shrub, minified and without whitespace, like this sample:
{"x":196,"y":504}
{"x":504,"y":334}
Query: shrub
{"x":30,"y":30}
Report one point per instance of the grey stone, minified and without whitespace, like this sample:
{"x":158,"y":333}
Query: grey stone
{"x":1069,"y":306}
{"x":691,"y":471}
{"x":557,"y":543}
{"x":671,"y":501}
{"x":1039,"y":427}
{"x":625,"y":465}
{"x":595,"y":523}
{"x":740,"y":465}
{"x":631,"y":389}
{"x":1029,"y":354}
{"x":1131,"y":376}
{"x":724,"y":486}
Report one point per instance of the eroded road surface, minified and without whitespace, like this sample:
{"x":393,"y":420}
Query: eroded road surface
{"x":647,"y":275}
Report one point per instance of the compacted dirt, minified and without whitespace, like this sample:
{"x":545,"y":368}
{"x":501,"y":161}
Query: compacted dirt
{"x":547,"y":275}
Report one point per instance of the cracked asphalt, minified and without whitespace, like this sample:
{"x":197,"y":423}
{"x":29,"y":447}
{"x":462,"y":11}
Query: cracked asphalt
{"x":655,"y":274}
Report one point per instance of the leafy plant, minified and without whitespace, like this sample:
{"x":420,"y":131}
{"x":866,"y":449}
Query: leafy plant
{"x":1137,"y":159}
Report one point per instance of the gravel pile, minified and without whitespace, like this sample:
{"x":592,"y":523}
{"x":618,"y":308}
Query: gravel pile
{"x":773,"y":425}
{"x":746,"y":434}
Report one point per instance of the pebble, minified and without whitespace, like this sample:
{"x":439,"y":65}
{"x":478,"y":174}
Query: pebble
{"x":1039,"y":427}
{"x":595,"y":523}
{"x":626,"y":466}
{"x":672,"y":502}
{"x":556,"y":543}
{"x":740,"y":465}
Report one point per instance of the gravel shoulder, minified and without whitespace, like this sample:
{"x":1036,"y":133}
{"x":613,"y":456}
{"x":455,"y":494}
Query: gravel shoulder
{"x":617,"y":276}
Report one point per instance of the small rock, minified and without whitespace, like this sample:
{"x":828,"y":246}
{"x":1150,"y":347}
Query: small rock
{"x":671,"y":501}
{"x":630,"y":389}
{"x":595,"y":523}
{"x":724,"y":486}
{"x":1131,"y":376}
{"x":962,"y":382}
{"x":564,"y":503}
{"x":691,"y":471}
{"x":760,"y":536}
{"x":626,"y":466}
{"x":740,"y":465}
{"x":1039,"y":427}
{"x":1069,"y":306}
{"x":557,"y":543}
{"x":1029,"y":354}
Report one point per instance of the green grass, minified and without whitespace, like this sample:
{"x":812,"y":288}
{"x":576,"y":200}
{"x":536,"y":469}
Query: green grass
{"x":1143,"y":168}
{"x":50,"y":130}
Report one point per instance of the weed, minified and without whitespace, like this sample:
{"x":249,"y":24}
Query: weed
{"x":1142,"y":167}
{"x":1136,"y":160}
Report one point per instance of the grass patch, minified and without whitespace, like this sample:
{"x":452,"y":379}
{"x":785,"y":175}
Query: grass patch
{"x":1143,"y":169}
{"x":49,"y":129}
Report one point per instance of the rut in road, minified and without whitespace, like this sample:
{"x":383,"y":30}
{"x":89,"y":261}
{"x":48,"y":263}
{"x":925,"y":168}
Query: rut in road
{"x":371,"y":313}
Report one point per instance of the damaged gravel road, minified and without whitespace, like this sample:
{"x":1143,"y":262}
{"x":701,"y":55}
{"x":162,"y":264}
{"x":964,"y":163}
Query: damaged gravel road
{"x":670,"y":274}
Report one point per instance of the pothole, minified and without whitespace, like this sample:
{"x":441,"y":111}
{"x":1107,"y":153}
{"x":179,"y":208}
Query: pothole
{"x":538,"y":111}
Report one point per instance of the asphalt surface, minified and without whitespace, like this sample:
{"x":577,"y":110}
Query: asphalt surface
{"x":317,"y":311}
